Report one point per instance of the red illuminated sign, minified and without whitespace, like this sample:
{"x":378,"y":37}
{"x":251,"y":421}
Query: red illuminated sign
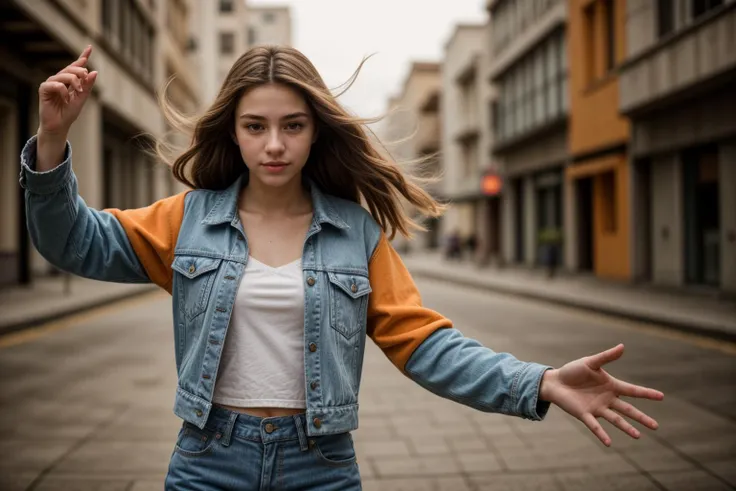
{"x":491,"y":184}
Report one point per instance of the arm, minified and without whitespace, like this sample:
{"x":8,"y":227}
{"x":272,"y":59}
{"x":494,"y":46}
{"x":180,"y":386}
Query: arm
{"x":425,"y":347}
{"x":131,"y":246}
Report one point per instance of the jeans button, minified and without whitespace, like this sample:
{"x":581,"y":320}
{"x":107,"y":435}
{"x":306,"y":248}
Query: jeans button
{"x":269,"y":428}
{"x":311,"y":281}
{"x":317,"y":422}
{"x":312,"y":347}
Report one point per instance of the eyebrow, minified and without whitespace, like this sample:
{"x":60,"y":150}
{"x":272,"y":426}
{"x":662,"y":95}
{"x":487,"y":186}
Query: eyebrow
{"x":263,"y":118}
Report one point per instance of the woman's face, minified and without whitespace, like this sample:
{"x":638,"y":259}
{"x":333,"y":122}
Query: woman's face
{"x":274,"y":129}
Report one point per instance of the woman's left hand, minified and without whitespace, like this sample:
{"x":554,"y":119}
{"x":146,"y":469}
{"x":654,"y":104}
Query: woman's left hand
{"x":583,"y":389}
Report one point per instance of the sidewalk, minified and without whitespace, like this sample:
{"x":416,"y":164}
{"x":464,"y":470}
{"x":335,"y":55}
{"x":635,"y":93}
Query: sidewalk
{"x":695,"y":313}
{"x":47,"y":299}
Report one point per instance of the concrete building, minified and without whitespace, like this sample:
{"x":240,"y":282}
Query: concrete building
{"x":228,"y":28}
{"x":597,"y":186}
{"x":466,"y":139}
{"x":411,"y":131}
{"x":530,"y":114}
{"x":269,"y":25}
{"x":678,"y":86}
{"x":131,"y":50}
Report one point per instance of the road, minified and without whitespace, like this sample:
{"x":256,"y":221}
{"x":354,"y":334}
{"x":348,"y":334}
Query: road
{"x":85,"y":404}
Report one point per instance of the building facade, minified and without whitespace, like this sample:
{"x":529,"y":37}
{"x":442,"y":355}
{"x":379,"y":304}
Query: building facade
{"x":597,"y":187}
{"x":678,"y":86}
{"x":39,"y":38}
{"x":269,"y":25}
{"x":466,"y":138}
{"x":411,"y":131}
{"x":530,"y":114}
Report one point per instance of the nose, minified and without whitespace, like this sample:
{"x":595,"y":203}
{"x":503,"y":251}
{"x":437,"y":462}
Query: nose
{"x":275,"y":144}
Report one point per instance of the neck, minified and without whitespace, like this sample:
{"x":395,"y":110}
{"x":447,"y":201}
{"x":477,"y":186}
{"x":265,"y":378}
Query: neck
{"x":289,"y":199}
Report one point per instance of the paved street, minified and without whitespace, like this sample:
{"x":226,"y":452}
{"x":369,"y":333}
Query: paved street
{"x":86,"y":405}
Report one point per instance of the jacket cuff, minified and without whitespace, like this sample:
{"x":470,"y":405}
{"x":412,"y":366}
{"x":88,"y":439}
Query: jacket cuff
{"x":47,"y":182}
{"x":526,"y":392}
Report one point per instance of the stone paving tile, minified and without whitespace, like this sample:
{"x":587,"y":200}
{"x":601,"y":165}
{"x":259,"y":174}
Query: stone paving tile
{"x":378,"y":448}
{"x":514,"y":482}
{"x":696,"y":480}
{"x":725,"y":469}
{"x":147,"y":485}
{"x":569,"y":456}
{"x":661,"y":459}
{"x":470,"y":443}
{"x":428,"y":445}
{"x":420,"y":484}
{"x":589,"y":481}
{"x":75,"y":483}
{"x":113,"y":458}
{"x":479,"y":462}
{"x":20,"y":456}
{"x":414,"y":466}
{"x":12,"y":481}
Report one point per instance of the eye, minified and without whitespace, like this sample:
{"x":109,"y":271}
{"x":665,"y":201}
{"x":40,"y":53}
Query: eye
{"x":254,"y":127}
{"x":294,"y":126}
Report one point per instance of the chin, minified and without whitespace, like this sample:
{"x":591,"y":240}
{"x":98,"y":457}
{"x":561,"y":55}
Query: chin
{"x":277,"y":180}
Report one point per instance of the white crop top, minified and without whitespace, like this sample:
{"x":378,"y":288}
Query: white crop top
{"x":262,"y":361}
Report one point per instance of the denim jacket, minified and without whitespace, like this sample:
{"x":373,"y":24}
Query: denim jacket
{"x":355,"y":286}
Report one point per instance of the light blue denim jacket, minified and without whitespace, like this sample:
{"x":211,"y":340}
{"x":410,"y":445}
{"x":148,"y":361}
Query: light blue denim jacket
{"x":343,"y":302}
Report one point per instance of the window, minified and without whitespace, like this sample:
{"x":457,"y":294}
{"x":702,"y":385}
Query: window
{"x":665,"y":17}
{"x":269,"y":17}
{"x":702,"y":7}
{"x":252,"y":36}
{"x":226,"y":6}
{"x":590,"y":42}
{"x":608,"y":201}
{"x":610,"y":16}
{"x":227,"y":43}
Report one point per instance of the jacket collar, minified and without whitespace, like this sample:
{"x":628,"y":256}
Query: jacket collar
{"x":225,"y":209}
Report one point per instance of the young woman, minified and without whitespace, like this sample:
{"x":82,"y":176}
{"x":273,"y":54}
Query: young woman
{"x":278,"y":275}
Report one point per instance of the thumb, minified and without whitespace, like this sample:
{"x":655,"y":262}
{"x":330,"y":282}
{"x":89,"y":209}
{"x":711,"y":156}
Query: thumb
{"x":89,"y":82}
{"x":597,"y":361}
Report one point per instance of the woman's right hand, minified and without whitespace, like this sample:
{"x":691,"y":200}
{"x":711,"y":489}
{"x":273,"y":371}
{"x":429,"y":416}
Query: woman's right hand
{"x":62,"y":96}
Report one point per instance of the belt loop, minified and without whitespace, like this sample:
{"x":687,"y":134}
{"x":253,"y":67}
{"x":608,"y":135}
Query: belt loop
{"x":299,"y":422}
{"x":229,"y":429}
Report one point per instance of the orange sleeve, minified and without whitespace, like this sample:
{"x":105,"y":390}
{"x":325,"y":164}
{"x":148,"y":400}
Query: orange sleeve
{"x":397,"y":321}
{"x":153,"y":232}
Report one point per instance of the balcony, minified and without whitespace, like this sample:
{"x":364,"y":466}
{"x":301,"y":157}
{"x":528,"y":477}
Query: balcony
{"x":692,"y":59}
{"x":428,"y":134}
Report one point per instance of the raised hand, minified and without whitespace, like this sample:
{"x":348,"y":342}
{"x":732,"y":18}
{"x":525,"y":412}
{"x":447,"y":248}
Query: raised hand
{"x":62,"y":96}
{"x":584,"y":390}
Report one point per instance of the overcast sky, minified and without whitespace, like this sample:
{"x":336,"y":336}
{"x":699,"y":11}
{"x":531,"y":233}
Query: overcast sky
{"x":337,"y":34}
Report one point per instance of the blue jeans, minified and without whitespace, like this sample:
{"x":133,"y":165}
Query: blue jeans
{"x":237,"y":451}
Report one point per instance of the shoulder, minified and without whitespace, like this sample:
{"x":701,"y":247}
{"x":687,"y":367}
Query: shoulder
{"x":359,"y":220}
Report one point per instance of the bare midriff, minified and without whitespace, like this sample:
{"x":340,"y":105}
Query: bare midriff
{"x":264,"y":412}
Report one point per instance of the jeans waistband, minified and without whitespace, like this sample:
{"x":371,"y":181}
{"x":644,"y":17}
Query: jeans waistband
{"x":264,"y":430}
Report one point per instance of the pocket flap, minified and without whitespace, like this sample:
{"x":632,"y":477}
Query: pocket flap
{"x":354,"y":285}
{"x":193,"y":266}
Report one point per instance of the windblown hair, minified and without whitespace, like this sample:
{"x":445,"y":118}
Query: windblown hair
{"x":344,"y":160}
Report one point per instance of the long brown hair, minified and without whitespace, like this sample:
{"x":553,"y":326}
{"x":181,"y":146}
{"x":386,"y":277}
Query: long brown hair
{"x":344,"y":160}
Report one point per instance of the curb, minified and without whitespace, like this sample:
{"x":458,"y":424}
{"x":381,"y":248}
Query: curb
{"x":715,"y":332}
{"x":73,"y":310}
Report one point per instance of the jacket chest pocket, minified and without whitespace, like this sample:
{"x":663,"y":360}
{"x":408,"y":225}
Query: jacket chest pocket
{"x":348,"y":302}
{"x":197,"y":275}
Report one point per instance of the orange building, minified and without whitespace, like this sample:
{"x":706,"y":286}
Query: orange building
{"x":597,"y":191}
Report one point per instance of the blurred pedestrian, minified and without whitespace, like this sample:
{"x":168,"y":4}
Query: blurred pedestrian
{"x":277,"y":275}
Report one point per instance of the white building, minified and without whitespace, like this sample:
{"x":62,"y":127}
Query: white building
{"x":269,"y":25}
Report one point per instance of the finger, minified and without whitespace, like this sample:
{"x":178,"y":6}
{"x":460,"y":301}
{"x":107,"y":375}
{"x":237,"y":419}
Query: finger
{"x":68,"y":79}
{"x":630,"y":411}
{"x":89,"y":81}
{"x":619,"y":422}
{"x":82,"y":60}
{"x":597,"y":361}
{"x":54,"y":89}
{"x":631,"y":390}
{"x":594,"y":426}
{"x":79,"y":71}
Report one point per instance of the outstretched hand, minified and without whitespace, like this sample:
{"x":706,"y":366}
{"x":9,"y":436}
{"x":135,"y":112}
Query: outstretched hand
{"x":584,"y":390}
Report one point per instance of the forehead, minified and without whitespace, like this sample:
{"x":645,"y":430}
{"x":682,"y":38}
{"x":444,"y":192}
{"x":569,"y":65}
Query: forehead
{"x":272,"y":100}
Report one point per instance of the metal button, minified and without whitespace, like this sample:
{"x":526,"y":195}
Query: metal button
{"x":317,"y":422}
{"x":198,"y":412}
{"x":312,"y":347}
{"x":192,"y":269}
{"x":269,"y":428}
{"x":354,"y":288}
{"x":311,"y":281}
{"x":240,"y":237}
{"x":313,"y":385}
